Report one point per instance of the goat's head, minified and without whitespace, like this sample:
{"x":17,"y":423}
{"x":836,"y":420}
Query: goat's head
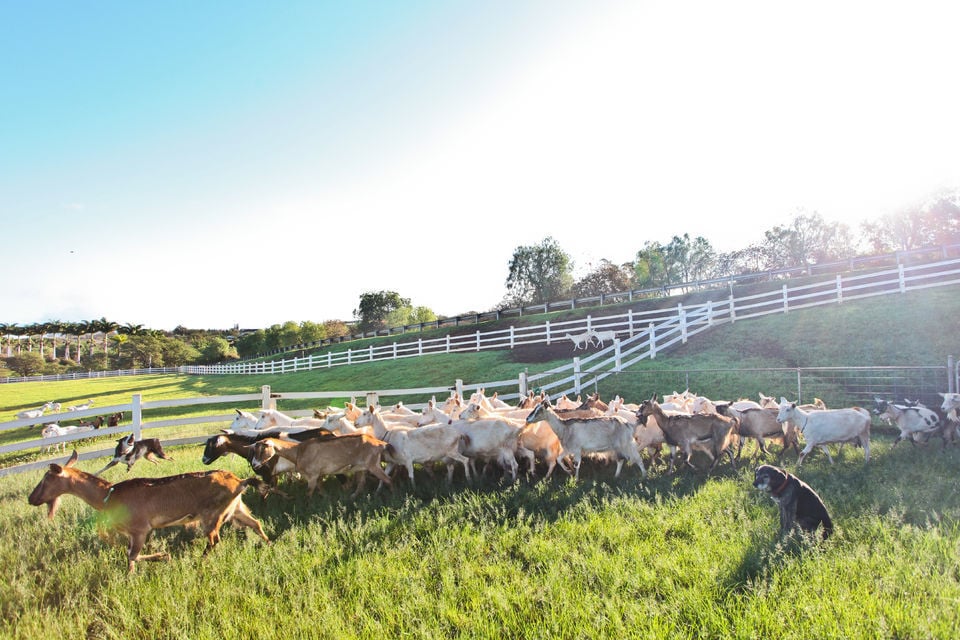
{"x":52,"y":485}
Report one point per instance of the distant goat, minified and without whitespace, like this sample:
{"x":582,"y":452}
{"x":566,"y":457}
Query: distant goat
{"x":603,"y":336}
{"x":580,"y":340}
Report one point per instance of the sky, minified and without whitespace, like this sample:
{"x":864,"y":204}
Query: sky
{"x":212,"y":164}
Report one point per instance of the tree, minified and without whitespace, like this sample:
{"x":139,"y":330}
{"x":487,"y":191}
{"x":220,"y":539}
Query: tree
{"x":311,"y":332}
{"x":176,"y":352}
{"x":539,"y":274}
{"x":650,"y":266}
{"x":250,"y":344}
{"x":336,"y":329}
{"x":605,"y":278}
{"x":26,"y":364}
{"x":216,"y":349}
{"x":807,"y":240}
{"x":375,"y":307}
{"x":145,"y":349}
{"x":936,"y":221}
{"x":405,"y":316}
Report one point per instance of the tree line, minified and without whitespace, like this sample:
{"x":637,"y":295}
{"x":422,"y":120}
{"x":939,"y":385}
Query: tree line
{"x":537,"y":274}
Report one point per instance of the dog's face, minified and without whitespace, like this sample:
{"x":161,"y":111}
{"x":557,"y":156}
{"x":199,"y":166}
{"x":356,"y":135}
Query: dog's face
{"x":767,"y":477}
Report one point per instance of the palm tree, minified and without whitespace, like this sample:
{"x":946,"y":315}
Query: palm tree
{"x":5,"y":336}
{"x":55,"y":327}
{"x":82,"y":328}
{"x":106,"y":326}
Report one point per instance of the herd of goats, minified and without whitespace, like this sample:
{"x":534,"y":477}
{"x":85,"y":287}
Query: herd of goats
{"x":537,"y":433}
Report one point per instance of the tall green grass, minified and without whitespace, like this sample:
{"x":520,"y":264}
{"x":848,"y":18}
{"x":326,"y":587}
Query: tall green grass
{"x":684,"y":555}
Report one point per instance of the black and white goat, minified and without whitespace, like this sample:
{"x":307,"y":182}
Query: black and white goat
{"x":913,"y":419}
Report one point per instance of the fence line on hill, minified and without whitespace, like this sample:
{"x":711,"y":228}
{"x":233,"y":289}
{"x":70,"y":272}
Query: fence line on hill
{"x":941,"y":252}
{"x":644,"y":333}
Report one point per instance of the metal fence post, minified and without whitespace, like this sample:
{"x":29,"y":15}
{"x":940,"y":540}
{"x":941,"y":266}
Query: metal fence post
{"x":951,"y":375}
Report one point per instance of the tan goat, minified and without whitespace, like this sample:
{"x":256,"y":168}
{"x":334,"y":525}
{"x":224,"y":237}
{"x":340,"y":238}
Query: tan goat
{"x":137,"y":506}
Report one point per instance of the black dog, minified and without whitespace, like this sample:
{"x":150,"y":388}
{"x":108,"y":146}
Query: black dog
{"x":799,"y":504}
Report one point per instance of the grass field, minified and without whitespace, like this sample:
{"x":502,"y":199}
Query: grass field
{"x":673,"y":556}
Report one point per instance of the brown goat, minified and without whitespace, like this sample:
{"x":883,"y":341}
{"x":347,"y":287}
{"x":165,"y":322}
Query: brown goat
{"x":711,"y":433}
{"x":139,"y":505}
{"x":316,"y":457}
{"x":761,"y":424}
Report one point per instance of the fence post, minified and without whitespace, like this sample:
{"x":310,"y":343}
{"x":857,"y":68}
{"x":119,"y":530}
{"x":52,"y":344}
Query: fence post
{"x":136,"y":415}
{"x":371,"y":355}
{"x":546,"y":327}
{"x":709,"y":313}
{"x":349,"y":356}
{"x":448,"y":343}
{"x":576,"y":374}
{"x":394,"y":350}
{"x":522,"y":384}
{"x":420,"y":346}
{"x":951,"y":377}
{"x":630,"y":321}
{"x":329,"y":359}
{"x":839,"y":290}
{"x":458,"y":387}
{"x":785,"y":297}
{"x":733,"y":310}
{"x":683,"y":323}
{"x":589,"y":326}
{"x":478,"y":339}
{"x":799,"y":388}
{"x":618,"y":366}
{"x":373,"y":400}
{"x":511,"y":337}
{"x":653,"y":341}
{"x":903,"y":280}
{"x":266,"y":402}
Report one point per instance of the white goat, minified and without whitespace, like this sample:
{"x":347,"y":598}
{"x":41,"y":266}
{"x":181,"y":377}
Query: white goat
{"x":31,"y":413}
{"x":54,"y":430}
{"x":603,"y":336}
{"x":827,"y":426}
{"x":580,"y":341}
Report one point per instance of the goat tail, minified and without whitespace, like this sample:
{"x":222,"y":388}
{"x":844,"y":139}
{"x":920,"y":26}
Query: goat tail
{"x":827,"y":526}
{"x":255,"y":482}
